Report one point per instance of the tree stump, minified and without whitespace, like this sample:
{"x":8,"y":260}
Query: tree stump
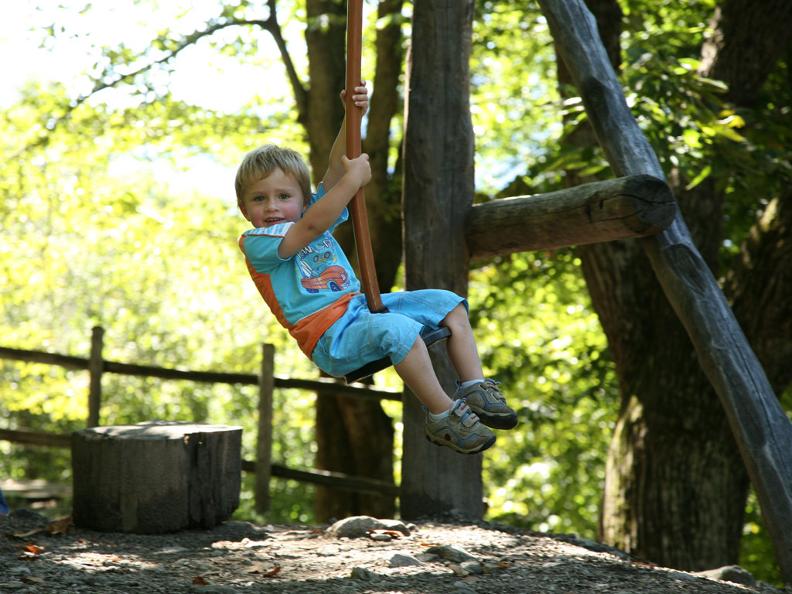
{"x":155,"y":477}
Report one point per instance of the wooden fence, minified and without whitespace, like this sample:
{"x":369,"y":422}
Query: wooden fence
{"x":267,"y":382}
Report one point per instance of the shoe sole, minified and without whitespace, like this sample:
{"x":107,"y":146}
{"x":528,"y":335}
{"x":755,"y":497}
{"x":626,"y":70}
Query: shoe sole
{"x":507,"y":421}
{"x":450,"y":445}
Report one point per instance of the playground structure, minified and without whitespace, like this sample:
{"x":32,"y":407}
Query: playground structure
{"x":438,"y":93}
{"x":435,"y":480}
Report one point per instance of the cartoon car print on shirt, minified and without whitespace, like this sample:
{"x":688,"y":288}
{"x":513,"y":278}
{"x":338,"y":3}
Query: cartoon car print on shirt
{"x":333,"y":277}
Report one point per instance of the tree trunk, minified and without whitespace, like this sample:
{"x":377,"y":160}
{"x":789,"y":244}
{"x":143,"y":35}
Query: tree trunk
{"x":748,"y":40}
{"x":438,"y":192}
{"x":325,"y":37}
{"x":760,"y":290}
{"x":675,"y":484}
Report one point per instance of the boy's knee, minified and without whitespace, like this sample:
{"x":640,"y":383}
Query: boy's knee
{"x":394,"y":333}
{"x":458,"y":315}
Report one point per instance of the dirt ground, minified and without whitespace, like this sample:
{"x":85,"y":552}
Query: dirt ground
{"x":41,"y":556}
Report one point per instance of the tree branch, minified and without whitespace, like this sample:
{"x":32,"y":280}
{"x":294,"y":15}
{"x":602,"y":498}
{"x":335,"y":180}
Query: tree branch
{"x":300,"y":94}
{"x":269,"y":24}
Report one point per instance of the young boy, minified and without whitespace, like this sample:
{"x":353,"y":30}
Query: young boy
{"x":308,"y":283}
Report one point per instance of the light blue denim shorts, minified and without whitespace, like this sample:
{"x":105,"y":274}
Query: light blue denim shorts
{"x":359,"y":336}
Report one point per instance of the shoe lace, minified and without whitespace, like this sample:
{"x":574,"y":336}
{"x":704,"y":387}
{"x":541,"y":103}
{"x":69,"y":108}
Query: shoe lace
{"x":491,"y":387}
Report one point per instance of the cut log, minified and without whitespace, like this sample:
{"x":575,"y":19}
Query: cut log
{"x":622,"y":208}
{"x":155,"y":477}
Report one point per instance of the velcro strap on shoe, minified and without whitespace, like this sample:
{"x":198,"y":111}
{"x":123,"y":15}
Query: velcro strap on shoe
{"x":466,"y":416}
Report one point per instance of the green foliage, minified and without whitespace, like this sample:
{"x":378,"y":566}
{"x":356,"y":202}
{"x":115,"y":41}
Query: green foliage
{"x":93,"y":236}
{"x":693,"y":128}
{"x":514,"y":110}
{"x":538,"y":335}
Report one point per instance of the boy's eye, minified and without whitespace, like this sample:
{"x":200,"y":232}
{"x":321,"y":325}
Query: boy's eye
{"x":284,"y":196}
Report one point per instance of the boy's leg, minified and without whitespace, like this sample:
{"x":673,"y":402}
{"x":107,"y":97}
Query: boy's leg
{"x":483,"y":395}
{"x":448,"y":423}
{"x":417,"y":372}
{"x":462,"y":346}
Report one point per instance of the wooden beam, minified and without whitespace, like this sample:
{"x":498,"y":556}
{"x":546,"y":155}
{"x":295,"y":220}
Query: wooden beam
{"x":323,"y":386}
{"x":328,"y":478}
{"x":28,"y":356}
{"x":35,"y":489}
{"x":337,"y":480}
{"x":36,"y":438}
{"x":761,"y":428}
{"x":96,"y":369}
{"x":622,"y":208}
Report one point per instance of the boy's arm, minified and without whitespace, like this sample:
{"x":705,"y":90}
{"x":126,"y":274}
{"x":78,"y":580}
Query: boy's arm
{"x":323,"y":213}
{"x":335,"y":168}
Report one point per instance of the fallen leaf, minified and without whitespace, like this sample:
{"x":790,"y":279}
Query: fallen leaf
{"x":393,"y":533}
{"x":199,"y":580}
{"x":272,"y":572}
{"x":33,"y":549}
{"x":386,"y":532}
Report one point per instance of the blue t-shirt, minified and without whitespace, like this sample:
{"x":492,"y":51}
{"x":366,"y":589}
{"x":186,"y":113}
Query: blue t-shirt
{"x":300,"y":286}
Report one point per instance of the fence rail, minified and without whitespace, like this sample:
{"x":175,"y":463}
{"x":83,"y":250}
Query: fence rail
{"x":322,"y":386}
{"x":263,"y":467}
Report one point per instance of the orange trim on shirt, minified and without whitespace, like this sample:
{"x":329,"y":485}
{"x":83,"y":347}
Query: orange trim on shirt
{"x":308,"y":330}
{"x":264,"y":285}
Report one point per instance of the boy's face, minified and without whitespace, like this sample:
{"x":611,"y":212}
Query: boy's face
{"x":275,"y":199}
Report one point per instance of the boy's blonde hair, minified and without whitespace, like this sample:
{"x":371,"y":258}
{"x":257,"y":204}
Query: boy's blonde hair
{"x":261,"y":162}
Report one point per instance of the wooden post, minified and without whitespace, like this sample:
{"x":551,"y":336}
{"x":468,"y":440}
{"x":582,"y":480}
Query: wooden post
{"x":761,"y":428}
{"x":264,"y":437}
{"x":438,"y":193}
{"x":95,"y":368}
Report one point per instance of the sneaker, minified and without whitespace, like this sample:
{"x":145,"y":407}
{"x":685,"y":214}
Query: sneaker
{"x":460,"y":430}
{"x":486,"y":400}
